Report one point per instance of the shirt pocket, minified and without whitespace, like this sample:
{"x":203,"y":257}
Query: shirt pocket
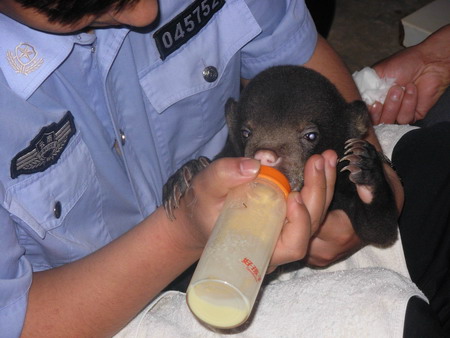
{"x":46,"y":202}
{"x":183,"y":73}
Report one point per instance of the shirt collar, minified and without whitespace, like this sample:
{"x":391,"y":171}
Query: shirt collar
{"x":28,"y":56}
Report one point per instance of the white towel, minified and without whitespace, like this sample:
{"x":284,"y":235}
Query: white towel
{"x":363,"y":296}
{"x":368,"y":302}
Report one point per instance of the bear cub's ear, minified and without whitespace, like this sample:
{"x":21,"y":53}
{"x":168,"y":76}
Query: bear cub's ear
{"x":230,"y":111}
{"x":233,"y":146}
{"x":359,"y":115}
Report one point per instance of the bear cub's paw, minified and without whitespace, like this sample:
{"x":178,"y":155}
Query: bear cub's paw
{"x":180,"y":182}
{"x":364,"y":166}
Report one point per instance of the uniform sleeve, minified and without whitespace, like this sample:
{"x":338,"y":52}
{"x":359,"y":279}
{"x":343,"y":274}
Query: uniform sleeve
{"x":15,"y":279}
{"x":288,"y":36}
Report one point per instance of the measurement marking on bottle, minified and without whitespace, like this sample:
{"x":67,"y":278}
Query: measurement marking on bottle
{"x":252,"y":268}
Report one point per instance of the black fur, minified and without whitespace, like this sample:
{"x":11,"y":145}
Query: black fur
{"x":292,"y":112}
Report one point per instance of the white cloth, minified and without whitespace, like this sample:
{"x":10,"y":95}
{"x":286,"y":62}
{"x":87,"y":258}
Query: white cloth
{"x":390,"y":134}
{"x":366,"y":302}
{"x":364,"y":295}
{"x":371,"y":86}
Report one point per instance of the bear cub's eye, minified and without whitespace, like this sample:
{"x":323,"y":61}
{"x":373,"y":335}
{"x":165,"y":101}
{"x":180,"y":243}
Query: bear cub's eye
{"x":312,"y":136}
{"x":245,"y":132}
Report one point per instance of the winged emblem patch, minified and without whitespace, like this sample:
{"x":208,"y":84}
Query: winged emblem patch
{"x":45,"y":149}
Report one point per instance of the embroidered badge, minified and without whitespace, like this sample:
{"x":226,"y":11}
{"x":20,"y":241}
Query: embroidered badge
{"x":45,"y":149}
{"x":185,"y":25}
{"x":25,"y":59}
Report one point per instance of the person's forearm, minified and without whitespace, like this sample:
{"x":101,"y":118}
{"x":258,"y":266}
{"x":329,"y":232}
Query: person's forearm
{"x":99,"y":294}
{"x":326,"y":61}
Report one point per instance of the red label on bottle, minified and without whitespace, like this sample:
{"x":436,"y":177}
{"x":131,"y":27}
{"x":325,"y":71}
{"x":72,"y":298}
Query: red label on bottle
{"x":252,"y":268}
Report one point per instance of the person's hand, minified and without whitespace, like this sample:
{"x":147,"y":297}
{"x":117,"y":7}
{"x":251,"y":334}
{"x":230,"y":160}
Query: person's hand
{"x":422,"y":74}
{"x":203,"y":201}
{"x":306,"y":209}
{"x":334,"y":240}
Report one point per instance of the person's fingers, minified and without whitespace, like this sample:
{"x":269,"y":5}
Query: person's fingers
{"x":204,"y":199}
{"x":314,"y":191}
{"x":293,"y":242}
{"x":375,"y":111}
{"x":317,"y":192}
{"x":306,"y":209}
{"x":225,"y":173}
{"x":408,"y":105}
{"x":331,"y":159}
{"x":392,"y":104}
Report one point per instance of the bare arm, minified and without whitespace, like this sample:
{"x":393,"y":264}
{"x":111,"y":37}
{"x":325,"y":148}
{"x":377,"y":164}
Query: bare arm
{"x":326,"y":61}
{"x":97,"y":295}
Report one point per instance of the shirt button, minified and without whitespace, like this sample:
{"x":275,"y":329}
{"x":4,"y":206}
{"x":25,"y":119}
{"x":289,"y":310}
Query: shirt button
{"x":122,"y":137}
{"x":210,"y":74}
{"x":57,"y":209}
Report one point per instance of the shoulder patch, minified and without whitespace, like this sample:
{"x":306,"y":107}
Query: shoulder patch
{"x":185,"y":25}
{"x":45,"y":149}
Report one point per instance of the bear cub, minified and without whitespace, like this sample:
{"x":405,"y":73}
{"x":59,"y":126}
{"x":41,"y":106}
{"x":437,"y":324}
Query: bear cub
{"x":285,"y":115}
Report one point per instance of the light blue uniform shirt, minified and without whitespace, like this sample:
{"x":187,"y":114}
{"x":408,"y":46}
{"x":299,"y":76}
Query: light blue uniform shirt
{"x":92,"y":125}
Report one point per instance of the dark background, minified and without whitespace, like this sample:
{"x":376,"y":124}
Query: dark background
{"x":363,"y":31}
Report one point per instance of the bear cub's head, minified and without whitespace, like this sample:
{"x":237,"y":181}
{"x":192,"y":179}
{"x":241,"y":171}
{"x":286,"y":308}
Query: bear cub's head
{"x":286,"y":114}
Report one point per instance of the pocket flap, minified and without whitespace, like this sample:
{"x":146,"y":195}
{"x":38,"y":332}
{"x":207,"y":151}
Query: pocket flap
{"x":181,"y":73}
{"x":44,"y":199}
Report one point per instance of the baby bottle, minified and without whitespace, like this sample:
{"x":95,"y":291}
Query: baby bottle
{"x":229,"y":274}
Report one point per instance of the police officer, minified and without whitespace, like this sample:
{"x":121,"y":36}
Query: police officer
{"x":96,"y":115}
